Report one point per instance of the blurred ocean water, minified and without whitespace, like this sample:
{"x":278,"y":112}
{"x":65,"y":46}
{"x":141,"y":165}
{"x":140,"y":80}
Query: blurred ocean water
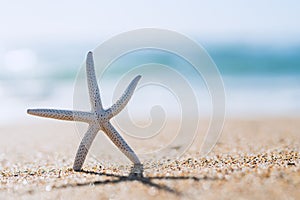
{"x":258,"y":80}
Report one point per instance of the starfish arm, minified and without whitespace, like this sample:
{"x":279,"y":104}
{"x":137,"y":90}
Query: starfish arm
{"x":92,"y":83}
{"x":62,"y":114}
{"x":122,"y":102}
{"x":84,"y":146}
{"x":116,"y":138}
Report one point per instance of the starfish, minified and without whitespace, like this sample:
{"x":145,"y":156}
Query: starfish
{"x":98,"y":118}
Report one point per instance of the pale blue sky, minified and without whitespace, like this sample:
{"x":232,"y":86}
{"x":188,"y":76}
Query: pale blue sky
{"x":218,"y":21}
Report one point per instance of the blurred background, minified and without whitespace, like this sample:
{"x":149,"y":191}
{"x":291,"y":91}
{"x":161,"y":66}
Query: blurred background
{"x":256,"y":46}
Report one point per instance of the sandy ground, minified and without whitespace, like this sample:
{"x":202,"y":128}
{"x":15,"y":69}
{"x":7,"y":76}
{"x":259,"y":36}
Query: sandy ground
{"x":254,"y":159}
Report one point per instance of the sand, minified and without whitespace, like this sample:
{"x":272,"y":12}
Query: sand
{"x":254,"y":159}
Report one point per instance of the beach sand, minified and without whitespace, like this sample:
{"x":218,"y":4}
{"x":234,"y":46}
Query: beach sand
{"x":254,"y":159}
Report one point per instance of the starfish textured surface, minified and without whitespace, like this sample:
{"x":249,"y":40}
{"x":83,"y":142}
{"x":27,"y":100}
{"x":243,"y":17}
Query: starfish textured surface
{"x":98,"y":118}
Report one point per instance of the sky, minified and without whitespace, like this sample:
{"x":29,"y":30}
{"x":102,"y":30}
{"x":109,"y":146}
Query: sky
{"x":32,"y":30}
{"x":93,"y":20}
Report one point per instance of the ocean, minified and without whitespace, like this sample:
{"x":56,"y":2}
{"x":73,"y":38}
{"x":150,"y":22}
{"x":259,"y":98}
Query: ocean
{"x":259,"y":80}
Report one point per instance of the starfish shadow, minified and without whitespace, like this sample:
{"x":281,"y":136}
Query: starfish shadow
{"x":136,"y":174}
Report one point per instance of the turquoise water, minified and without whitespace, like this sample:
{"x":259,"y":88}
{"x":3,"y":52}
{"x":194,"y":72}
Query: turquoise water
{"x":62,"y":62}
{"x":259,"y":80}
{"x":240,"y":60}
